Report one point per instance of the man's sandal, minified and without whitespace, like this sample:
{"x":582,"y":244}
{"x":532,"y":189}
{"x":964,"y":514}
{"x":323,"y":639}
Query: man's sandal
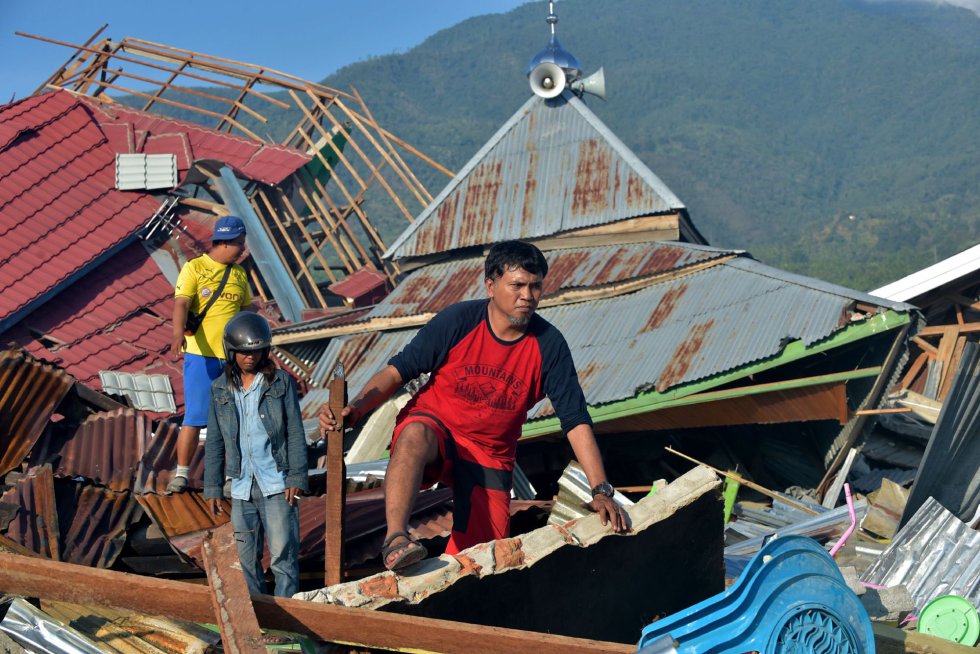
{"x":408,"y":552}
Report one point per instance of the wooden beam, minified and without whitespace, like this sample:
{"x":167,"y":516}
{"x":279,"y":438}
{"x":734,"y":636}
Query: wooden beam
{"x":240,"y":632}
{"x":926,"y":347}
{"x":79,"y":584}
{"x":914,"y":370}
{"x":940,"y":330}
{"x":426,"y":197}
{"x":878,"y":412}
{"x":333,"y":571}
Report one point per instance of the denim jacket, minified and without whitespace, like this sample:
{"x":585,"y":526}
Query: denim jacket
{"x":280,"y":415}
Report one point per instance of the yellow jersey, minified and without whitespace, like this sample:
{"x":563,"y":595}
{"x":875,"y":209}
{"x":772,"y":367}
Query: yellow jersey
{"x":198,"y":279}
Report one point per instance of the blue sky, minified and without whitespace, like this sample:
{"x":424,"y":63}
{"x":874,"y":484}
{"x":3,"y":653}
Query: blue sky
{"x":306,"y":38}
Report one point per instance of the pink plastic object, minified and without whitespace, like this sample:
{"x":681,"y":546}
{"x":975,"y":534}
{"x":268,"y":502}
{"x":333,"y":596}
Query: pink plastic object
{"x":850,"y":530}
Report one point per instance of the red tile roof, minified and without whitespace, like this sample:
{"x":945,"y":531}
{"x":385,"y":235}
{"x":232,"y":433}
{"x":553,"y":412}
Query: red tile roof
{"x":359,"y":283}
{"x":59,"y":210}
{"x":154,"y":134}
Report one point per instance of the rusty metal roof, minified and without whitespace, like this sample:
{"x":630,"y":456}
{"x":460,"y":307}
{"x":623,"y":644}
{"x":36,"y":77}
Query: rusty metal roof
{"x":31,"y":390}
{"x":434,"y":287}
{"x":74,"y":522}
{"x":106,"y":448}
{"x":553,"y":167}
{"x":180,"y":514}
{"x":686,"y":328}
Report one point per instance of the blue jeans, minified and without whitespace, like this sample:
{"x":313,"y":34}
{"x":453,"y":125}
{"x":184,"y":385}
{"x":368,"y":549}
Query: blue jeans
{"x":271,"y":519}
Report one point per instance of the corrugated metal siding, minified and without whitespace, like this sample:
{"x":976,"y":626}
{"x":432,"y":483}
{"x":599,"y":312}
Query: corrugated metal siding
{"x":934,"y":554}
{"x":553,"y":167}
{"x":670,"y":333}
{"x":29,"y":392}
{"x":949,"y":472}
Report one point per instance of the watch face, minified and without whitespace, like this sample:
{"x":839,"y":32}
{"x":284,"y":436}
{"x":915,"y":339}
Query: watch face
{"x":605,"y":488}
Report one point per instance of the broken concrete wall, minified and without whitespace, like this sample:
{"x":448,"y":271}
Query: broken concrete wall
{"x":576,"y":580}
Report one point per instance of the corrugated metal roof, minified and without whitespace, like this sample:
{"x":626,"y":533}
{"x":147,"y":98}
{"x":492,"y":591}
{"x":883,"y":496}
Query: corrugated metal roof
{"x":157,"y":466}
{"x":36,"y":524}
{"x":96,"y":533}
{"x":88,"y":522}
{"x":106,"y":448}
{"x":134,"y":131}
{"x":553,"y":167}
{"x":29,"y":393}
{"x":59,"y":212}
{"x":180,"y":514}
{"x":934,"y":554}
{"x":667,"y":334}
{"x":434,"y":287}
{"x":932,"y":277}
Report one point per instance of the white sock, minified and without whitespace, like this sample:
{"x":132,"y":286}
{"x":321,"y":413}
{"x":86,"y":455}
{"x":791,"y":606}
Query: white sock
{"x":183,"y":471}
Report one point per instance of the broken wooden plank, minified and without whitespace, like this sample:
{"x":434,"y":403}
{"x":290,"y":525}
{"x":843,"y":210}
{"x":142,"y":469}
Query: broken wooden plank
{"x":240,"y":633}
{"x":67,"y":582}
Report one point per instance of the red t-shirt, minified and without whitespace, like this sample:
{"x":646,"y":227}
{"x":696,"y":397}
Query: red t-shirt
{"x":481,"y":387}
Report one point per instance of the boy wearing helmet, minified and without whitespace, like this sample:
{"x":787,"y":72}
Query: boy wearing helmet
{"x":256,"y":439}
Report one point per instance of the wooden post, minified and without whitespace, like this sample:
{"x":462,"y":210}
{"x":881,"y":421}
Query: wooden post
{"x":230,"y":598}
{"x":336,"y":483}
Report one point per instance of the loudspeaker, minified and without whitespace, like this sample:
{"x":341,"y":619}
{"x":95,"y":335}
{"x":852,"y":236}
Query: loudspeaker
{"x":594,"y":84}
{"x":547,"y":80}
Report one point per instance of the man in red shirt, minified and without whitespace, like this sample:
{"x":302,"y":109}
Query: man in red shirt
{"x":490,"y":361}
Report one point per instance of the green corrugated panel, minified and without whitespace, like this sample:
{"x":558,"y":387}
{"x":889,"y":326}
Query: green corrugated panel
{"x":652,"y":400}
{"x":316,"y":168}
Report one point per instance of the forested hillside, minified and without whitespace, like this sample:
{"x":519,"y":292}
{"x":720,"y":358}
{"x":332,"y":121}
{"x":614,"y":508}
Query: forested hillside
{"x":834,"y":138}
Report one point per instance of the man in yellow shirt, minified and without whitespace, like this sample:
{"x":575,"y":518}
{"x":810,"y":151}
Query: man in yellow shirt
{"x":204,"y":354}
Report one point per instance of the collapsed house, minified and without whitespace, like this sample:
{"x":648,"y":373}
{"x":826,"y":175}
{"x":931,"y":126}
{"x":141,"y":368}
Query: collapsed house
{"x":678,"y":343}
{"x":111,"y":177}
{"x":673,"y":339}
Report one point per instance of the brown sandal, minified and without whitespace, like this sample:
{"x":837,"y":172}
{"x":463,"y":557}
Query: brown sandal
{"x":409,"y":552}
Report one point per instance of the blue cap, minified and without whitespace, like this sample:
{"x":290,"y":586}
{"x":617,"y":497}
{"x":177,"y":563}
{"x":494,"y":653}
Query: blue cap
{"x":228,"y":228}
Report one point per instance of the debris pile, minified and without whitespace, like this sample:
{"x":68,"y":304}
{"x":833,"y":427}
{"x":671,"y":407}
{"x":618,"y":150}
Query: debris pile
{"x":745,"y":414}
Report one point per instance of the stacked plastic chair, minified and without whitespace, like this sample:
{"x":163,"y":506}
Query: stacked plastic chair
{"x":791,"y":599}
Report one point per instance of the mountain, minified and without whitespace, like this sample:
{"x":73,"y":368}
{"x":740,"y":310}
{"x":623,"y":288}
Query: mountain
{"x":834,"y":138}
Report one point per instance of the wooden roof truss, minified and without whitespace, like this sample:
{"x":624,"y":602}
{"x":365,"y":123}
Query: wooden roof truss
{"x":318,"y":217}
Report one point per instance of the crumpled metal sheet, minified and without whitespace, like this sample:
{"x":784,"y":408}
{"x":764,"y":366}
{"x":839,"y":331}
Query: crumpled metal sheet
{"x":574,"y":491}
{"x":36,"y":631}
{"x":934,"y":554}
{"x":824,"y":525}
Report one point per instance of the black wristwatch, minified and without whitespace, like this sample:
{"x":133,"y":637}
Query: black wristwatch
{"x":605,"y":488}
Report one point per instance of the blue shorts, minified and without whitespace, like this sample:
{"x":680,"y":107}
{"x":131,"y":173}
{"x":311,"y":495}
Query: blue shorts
{"x":199,"y":372}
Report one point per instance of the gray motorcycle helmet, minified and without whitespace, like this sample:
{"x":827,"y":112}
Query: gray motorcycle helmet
{"x":246,"y":332}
